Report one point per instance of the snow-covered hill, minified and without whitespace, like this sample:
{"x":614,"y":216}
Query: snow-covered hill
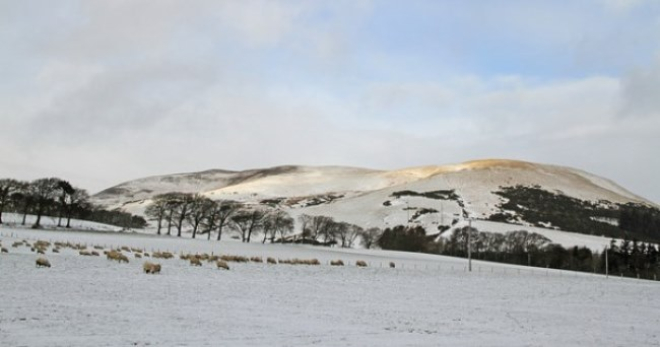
{"x":429,"y":196}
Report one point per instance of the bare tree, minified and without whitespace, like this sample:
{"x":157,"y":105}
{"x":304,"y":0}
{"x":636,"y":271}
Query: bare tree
{"x":268,"y":227}
{"x":277,"y":222}
{"x":515,"y":241}
{"x":66,"y":189}
{"x":494,"y":242}
{"x":171,"y":204}
{"x":210,"y":219}
{"x":305,"y":230}
{"x":330,"y":229}
{"x":8,"y":187}
{"x":199,"y":210}
{"x":44,"y":191}
{"x":22,"y":200}
{"x":314,"y":226}
{"x":181,"y":203}
{"x":348,"y":233}
{"x":283,"y":225}
{"x":158,"y":210}
{"x":464,"y":236}
{"x":535,"y":242}
{"x":219,"y":217}
{"x":78,"y":201}
{"x":480,"y":244}
{"x":370,"y":236}
{"x":248,"y":221}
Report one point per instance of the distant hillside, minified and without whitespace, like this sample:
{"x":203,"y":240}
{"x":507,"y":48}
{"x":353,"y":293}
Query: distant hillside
{"x":509,"y":192}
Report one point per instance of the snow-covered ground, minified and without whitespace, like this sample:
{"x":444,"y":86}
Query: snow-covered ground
{"x":426,"y":301}
{"x":16,"y":219}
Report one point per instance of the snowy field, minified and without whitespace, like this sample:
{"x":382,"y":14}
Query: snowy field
{"x":48,"y":222}
{"x":426,"y":301}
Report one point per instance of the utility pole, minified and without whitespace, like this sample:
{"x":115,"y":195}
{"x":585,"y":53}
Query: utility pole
{"x":469,"y":244}
{"x":469,"y":239}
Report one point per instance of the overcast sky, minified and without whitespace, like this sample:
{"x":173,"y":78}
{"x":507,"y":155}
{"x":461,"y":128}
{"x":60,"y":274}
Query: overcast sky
{"x":100,"y":92}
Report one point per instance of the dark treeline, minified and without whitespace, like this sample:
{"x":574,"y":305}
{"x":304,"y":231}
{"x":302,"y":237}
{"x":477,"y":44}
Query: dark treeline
{"x":175,"y":213}
{"x":413,"y":239}
{"x":629,"y":258}
{"x":114,"y":217}
{"x":643,"y":221}
{"x":634,"y":258}
{"x":58,"y":198}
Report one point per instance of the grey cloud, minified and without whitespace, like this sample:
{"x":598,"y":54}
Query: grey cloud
{"x":641,"y":91}
{"x":117,"y":100}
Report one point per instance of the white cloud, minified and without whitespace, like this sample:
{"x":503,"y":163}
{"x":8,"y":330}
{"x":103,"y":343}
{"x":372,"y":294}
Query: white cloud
{"x":107,"y":91}
{"x":260,"y":22}
{"x":498,"y":107}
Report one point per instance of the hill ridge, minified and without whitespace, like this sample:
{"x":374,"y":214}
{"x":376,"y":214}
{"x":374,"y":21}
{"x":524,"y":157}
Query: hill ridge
{"x":433,"y":196}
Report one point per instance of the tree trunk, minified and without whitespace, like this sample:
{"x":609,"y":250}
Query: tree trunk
{"x":220,"y":226}
{"x":24,"y":217}
{"x":2,"y":209}
{"x":40,"y":211}
{"x":68,"y":221}
{"x":169,"y":223}
{"x":38,"y":222}
{"x":61,"y":209}
{"x":160,"y":222}
{"x":194,"y":231}
{"x":264,"y":240}
{"x":179,"y":226}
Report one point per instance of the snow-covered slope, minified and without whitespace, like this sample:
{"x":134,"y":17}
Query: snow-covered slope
{"x":474,"y":179}
{"x":372,"y":197}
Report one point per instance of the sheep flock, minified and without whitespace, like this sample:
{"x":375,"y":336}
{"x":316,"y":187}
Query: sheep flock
{"x":121,"y":255}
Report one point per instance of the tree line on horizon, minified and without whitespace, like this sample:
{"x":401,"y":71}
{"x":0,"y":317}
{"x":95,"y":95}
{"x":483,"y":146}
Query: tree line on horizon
{"x":630,"y":258}
{"x":59,"y":198}
{"x":196,"y":214}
